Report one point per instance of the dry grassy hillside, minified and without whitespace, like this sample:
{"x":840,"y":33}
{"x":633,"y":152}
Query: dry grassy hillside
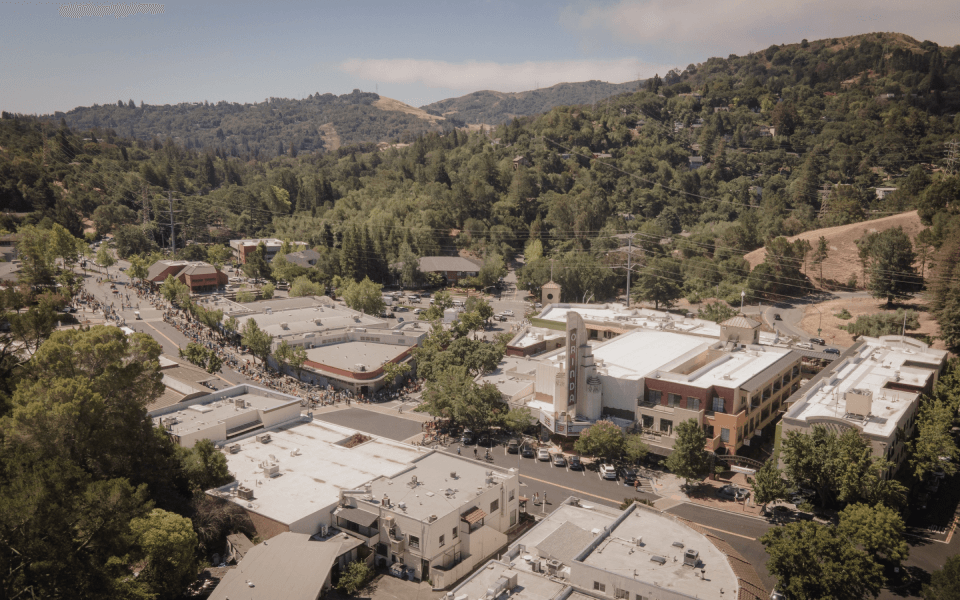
{"x":842,"y":261}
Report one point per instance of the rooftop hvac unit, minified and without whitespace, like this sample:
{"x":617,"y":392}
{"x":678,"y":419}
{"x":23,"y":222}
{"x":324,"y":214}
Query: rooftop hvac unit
{"x":317,"y":322}
{"x":245,"y":493}
{"x":453,"y":474}
{"x":264,"y":438}
{"x":284,"y":326}
{"x":431,"y":518}
{"x":691,"y":557}
{"x":234,"y":448}
{"x":658,"y":559}
{"x":639,"y":541}
{"x":271,"y":469}
{"x":361,"y":367}
{"x":240,"y":403}
{"x":553,"y":565}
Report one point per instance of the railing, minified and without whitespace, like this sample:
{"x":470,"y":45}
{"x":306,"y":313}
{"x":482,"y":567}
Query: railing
{"x":733,"y":459}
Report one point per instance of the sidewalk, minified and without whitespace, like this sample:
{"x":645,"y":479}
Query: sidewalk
{"x":670,"y":488}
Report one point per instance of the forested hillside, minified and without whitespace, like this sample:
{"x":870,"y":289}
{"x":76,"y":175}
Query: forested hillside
{"x":791,"y":139}
{"x":493,"y":108}
{"x":262,"y":130}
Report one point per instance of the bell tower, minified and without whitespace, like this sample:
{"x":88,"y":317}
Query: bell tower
{"x":550,"y":292}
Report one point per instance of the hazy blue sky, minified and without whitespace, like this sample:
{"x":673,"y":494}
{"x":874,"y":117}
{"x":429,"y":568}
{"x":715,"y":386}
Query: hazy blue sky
{"x":416,"y":52}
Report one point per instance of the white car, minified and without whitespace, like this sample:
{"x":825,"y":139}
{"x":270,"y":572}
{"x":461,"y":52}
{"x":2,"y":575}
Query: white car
{"x":507,"y":313}
{"x":543,"y":454}
{"x":804,"y":345}
{"x":418,"y":311}
{"x":608,"y":472}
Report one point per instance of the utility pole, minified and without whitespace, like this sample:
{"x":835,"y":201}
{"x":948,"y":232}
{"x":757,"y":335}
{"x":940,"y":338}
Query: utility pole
{"x":629,"y":255}
{"x":146,"y":204}
{"x":173,"y":234}
{"x":952,"y":147}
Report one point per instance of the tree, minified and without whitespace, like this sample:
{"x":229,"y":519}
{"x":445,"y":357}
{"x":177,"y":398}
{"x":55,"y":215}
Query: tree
{"x":355,"y":577}
{"x":492,"y":270}
{"x":36,"y":251}
{"x":441,"y":302}
{"x":933,"y":449}
{"x":945,"y":582}
{"x":768,"y":484}
{"x":132,"y":239}
{"x":365,"y":296}
{"x":717,"y":312}
{"x":256,"y":265}
{"x":139,"y":269}
{"x":518,"y":420}
{"x":257,"y":340}
{"x":298,"y":356}
{"x":392,"y":371}
{"x":410,"y":274}
{"x":876,"y":529}
{"x":302,"y":286}
{"x":453,"y":394}
{"x":880,"y":324}
{"x":173,"y":289}
{"x":105,"y":258}
{"x":688,"y":459}
{"x":218,"y":255}
{"x":267,"y":291}
{"x":244,"y":296}
{"x":820,"y":254}
{"x":64,"y":245}
{"x":165,"y":545}
{"x":204,"y":466}
{"x":812,"y":562}
{"x":660,"y":282}
{"x":283,"y":354}
{"x":891,"y":272}
{"x":603,"y":439}
{"x":635,"y":449}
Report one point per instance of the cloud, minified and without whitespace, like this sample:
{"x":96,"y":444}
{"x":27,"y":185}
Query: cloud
{"x":743,"y":26}
{"x":511,"y":77}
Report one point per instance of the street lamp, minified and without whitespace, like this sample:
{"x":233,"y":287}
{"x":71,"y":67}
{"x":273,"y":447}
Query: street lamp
{"x":742,"y":295}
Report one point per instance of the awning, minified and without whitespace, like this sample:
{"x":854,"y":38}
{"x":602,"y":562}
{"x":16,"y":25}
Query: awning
{"x":355,"y":515}
{"x":473,"y":516}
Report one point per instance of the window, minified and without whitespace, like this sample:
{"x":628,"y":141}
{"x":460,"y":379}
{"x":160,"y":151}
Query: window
{"x":494,"y":506}
{"x":442,"y":541}
{"x":513,"y":517}
{"x":740,"y":434}
{"x":639,"y":597}
{"x":456,"y":532}
{"x":382,"y":549}
{"x":512,"y":493}
{"x":414,"y":542}
{"x":618,"y":593}
{"x":600,"y":587}
{"x":655,"y":396}
{"x":666,"y":425}
{"x":724,"y":435}
{"x":673,"y":400}
{"x":717,"y":405}
{"x":647,"y":421}
{"x":693,"y":403}
{"x":708,"y":431}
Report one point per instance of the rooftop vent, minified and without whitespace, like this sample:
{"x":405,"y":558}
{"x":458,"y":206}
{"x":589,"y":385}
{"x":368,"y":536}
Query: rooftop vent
{"x":245,"y":493}
{"x":453,"y":474}
{"x":234,"y":448}
{"x":284,"y":326}
{"x":264,"y":438}
{"x":678,"y":544}
{"x":658,"y":559}
{"x":691,"y":557}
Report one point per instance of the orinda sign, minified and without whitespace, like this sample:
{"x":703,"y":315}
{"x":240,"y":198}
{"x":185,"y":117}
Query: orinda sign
{"x":573,"y":371}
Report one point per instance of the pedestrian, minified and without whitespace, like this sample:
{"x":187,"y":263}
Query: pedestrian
{"x":475,"y":453}
{"x":458,"y":450}
{"x":536,"y":498}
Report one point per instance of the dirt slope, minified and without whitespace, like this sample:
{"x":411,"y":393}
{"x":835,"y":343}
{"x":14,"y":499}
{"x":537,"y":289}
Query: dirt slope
{"x":842,"y":260}
{"x":391,"y":104}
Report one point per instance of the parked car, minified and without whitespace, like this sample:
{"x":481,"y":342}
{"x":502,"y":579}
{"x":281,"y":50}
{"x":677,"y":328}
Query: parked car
{"x":559,"y":460}
{"x":818,"y":341}
{"x":418,"y":311}
{"x":575,"y":463}
{"x":400,"y":309}
{"x":538,"y":305}
{"x":508,"y":313}
{"x":805,"y":345}
{"x":526,"y":451}
{"x":485,"y":440}
{"x":776,"y":317}
{"x":501,"y":318}
{"x":513,"y":446}
{"x":543,"y":454}
{"x":627,"y":475}
{"x":608,"y":471}
{"x":731,"y":491}
{"x":832,"y":351}
{"x":468,"y":437}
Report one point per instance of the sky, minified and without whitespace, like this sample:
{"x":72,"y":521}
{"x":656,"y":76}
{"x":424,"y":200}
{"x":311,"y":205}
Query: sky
{"x":56,"y":56}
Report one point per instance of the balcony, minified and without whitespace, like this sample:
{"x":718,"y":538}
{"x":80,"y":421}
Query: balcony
{"x":657,"y":438}
{"x":657,"y":408}
{"x":713,"y":444}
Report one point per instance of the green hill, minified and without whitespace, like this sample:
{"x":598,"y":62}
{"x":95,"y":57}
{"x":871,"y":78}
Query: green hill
{"x":492,"y":108}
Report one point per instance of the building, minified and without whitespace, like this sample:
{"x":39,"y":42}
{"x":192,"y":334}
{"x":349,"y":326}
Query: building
{"x":695,"y":162}
{"x":452,"y":268}
{"x":243,"y":248}
{"x":182,"y":382}
{"x":583,"y":552}
{"x":198,"y":276}
{"x":291,"y":566}
{"x":304,"y":258}
{"x":306,"y":323}
{"x":550,"y":291}
{"x":874,"y":388}
{"x":883,"y":192}
{"x":438,"y":518}
{"x":653,"y":378}
{"x":230,"y":413}
{"x":354,"y":359}
{"x":9,"y":273}
{"x":531,"y":341}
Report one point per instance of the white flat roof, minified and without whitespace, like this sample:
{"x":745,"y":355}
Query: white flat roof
{"x":311,"y":480}
{"x":512,"y":375}
{"x":436,"y":492}
{"x":300,"y":321}
{"x":198,"y":417}
{"x":535,"y":335}
{"x":871,"y":369}
{"x":637,"y":353}
{"x":347,"y":355}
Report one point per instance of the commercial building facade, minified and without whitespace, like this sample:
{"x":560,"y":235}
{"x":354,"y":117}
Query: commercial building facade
{"x":200,"y":277}
{"x":243,"y":248}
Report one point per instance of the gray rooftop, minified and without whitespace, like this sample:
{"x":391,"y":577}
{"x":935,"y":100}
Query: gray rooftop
{"x":447,"y":263}
{"x":301,"y":321}
{"x":565,"y":543}
{"x":347,"y":355}
{"x":289,"y":566}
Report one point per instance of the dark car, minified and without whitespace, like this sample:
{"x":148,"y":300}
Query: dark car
{"x":776,"y":317}
{"x":832,"y":351}
{"x":734,"y":492}
{"x":574,"y":463}
{"x":513,"y":446}
{"x":467,"y":437}
{"x":818,"y":341}
{"x":527,"y":451}
{"x":485,"y":440}
{"x":628,"y":475}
